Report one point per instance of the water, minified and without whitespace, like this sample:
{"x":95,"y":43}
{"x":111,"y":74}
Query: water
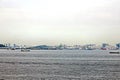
{"x":59,"y":65}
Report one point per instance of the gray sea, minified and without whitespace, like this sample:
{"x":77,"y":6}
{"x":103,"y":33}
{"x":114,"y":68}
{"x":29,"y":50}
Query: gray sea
{"x":59,"y":65}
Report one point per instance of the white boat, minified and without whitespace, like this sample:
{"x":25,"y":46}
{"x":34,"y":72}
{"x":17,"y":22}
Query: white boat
{"x":25,"y":50}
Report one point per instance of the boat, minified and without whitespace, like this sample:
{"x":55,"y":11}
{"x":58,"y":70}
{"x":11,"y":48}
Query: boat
{"x":25,"y":50}
{"x":114,"y":52}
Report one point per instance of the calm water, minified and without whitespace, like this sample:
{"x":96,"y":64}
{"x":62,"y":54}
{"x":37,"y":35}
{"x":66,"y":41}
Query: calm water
{"x":61,"y":54}
{"x":59,"y":65}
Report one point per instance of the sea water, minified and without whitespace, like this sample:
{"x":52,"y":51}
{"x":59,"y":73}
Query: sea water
{"x":59,"y":65}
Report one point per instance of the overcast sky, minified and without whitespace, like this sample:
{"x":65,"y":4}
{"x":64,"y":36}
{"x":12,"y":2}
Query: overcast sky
{"x":51,"y":22}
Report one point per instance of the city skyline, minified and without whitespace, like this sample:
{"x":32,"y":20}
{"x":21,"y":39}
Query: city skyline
{"x":103,"y":46}
{"x":51,"y":22}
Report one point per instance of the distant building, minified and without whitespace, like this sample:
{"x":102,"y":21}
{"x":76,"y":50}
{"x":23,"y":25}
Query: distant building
{"x":77,"y":47}
{"x":118,"y":46}
{"x":1,"y":45}
{"x":105,"y":46}
{"x":89,"y":47}
{"x":40,"y":47}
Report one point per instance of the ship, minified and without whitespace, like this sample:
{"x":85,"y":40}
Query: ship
{"x":114,"y":52}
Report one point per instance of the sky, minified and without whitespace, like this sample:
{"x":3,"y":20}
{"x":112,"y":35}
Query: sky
{"x":51,"y":22}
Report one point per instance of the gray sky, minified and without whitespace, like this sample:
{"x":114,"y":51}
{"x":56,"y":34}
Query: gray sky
{"x":52,"y":22}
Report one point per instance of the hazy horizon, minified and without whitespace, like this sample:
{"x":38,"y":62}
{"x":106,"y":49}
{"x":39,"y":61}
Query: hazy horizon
{"x":51,"y":22}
